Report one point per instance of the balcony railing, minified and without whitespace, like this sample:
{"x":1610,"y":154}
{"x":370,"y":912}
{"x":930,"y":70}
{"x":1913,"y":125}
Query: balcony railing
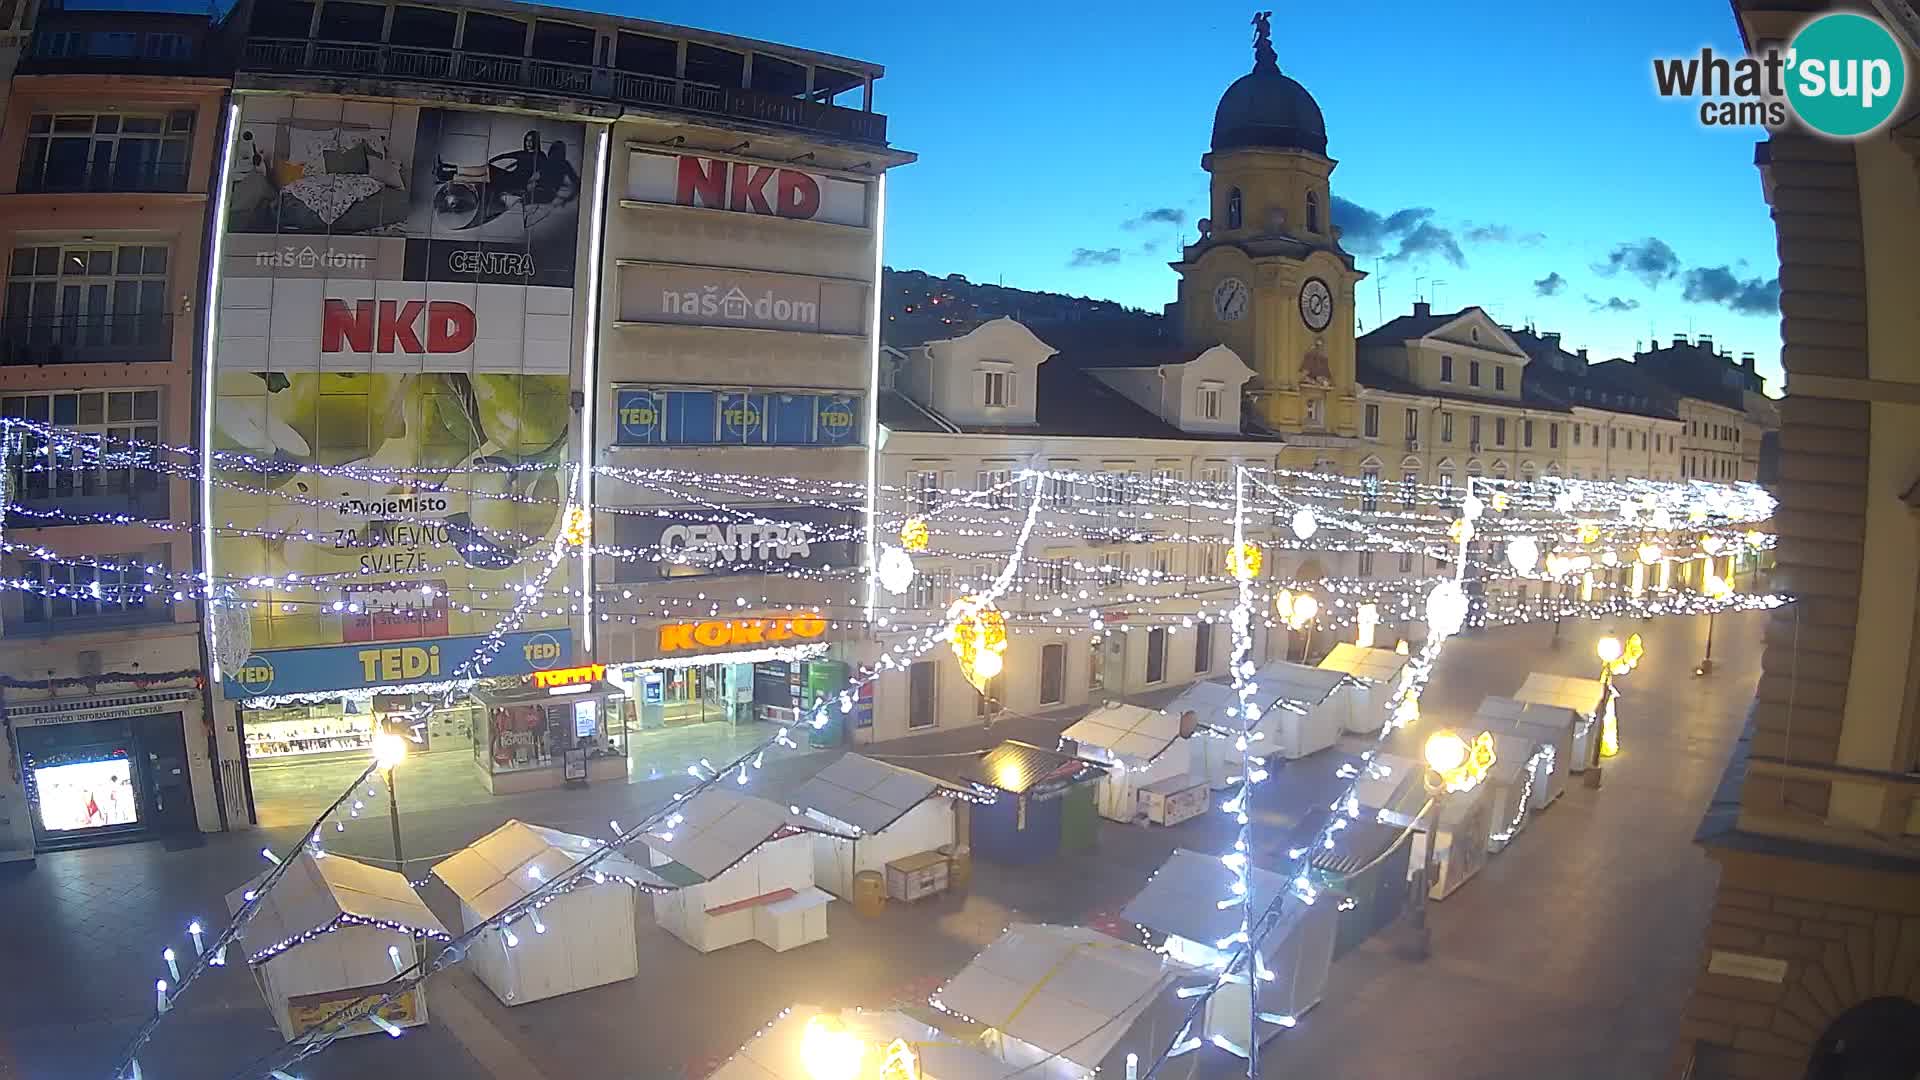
{"x":86,"y":339}
{"x":297,"y":56}
{"x":102,"y":172}
{"x":41,"y":501}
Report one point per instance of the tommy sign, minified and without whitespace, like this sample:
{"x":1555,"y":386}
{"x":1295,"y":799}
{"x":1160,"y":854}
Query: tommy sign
{"x":746,"y":188}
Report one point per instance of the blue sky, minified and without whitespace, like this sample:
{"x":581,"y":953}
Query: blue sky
{"x":1530,"y":132}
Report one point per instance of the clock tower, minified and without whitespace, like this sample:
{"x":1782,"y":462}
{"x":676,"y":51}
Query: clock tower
{"x":1268,"y":277}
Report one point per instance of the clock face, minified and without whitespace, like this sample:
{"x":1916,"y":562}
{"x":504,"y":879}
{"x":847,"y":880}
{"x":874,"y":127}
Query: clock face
{"x":1230,"y":299}
{"x":1316,"y":304}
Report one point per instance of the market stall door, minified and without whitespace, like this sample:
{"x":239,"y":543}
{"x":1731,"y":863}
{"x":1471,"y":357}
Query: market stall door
{"x":1079,"y":821}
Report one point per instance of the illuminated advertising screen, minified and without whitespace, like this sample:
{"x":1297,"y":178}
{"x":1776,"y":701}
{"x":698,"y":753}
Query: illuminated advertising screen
{"x":395,"y":343}
{"x":78,"y":795}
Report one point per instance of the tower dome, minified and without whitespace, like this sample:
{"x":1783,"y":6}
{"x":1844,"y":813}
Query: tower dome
{"x":1265,"y":109}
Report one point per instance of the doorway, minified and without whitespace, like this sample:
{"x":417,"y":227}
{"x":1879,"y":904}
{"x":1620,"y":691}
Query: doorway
{"x":1878,"y":1039}
{"x":106,"y":781}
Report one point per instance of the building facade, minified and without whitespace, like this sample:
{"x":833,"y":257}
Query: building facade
{"x":108,"y":153}
{"x":1809,"y":967}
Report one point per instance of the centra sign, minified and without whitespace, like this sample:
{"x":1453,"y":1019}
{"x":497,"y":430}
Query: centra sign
{"x":705,"y":545}
{"x":732,"y":633}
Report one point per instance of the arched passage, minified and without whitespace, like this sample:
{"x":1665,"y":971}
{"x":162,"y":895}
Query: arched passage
{"x":1878,"y":1039}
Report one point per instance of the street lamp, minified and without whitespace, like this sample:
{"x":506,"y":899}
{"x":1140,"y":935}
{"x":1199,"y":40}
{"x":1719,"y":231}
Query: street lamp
{"x":389,"y":750}
{"x":829,"y":1051}
{"x":1610,"y":651}
{"x":1446,"y":753}
{"x":1716,"y":588}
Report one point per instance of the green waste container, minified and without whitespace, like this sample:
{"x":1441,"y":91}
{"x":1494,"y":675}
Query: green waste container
{"x":1367,"y":867}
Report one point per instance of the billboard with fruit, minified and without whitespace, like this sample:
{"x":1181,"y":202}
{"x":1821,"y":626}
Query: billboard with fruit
{"x":393,"y":366}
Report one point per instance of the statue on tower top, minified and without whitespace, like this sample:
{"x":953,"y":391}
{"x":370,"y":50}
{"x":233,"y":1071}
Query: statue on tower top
{"x":1263,"y":54}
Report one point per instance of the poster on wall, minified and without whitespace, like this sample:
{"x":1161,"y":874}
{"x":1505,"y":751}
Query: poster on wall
{"x":394,"y":353}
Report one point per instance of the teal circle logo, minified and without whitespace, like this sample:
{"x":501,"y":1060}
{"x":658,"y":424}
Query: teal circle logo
{"x":1845,"y":74}
{"x":255,"y":676}
{"x":542,"y":651}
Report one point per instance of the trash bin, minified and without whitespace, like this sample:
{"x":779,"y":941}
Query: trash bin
{"x":869,"y":892}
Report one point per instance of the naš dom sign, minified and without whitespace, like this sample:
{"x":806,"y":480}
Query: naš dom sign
{"x":734,"y":633}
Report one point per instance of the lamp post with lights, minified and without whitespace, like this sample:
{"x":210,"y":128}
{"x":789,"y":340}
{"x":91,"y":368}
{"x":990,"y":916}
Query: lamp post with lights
{"x":1446,"y":753}
{"x":390,"y":749}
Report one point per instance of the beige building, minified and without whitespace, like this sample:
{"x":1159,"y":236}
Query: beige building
{"x":1809,"y":967}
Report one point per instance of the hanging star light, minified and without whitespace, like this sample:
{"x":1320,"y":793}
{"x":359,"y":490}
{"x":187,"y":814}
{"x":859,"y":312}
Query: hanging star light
{"x":914,"y":534}
{"x":1471,"y":508}
{"x":1649,"y":553}
{"x":1446,"y":609}
{"x":1244,"y":562}
{"x":578,"y":528}
{"x":1500,"y":501}
{"x":894,"y":570}
{"x":1461,"y":531}
{"x":1523,"y":554}
{"x":979,"y":639}
{"x":1565,"y":499}
{"x":1711,"y":544}
{"x":1589,"y":532}
{"x":1303,"y":523}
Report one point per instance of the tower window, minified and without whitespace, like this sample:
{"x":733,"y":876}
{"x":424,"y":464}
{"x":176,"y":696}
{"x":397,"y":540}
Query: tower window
{"x":1313,"y":212}
{"x":1233,"y":209}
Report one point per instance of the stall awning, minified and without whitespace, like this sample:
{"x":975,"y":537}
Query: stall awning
{"x":866,"y":794}
{"x":1502,"y":714}
{"x":1214,"y":705}
{"x":1373,"y":665}
{"x":1581,"y":695}
{"x":1127,"y":731}
{"x":318,"y":894}
{"x":718,"y":828}
{"x":1067,"y":990}
{"x":1025,"y":769}
{"x":775,"y":1053}
{"x":504,"y":866}
{"x":1283,"y":680}
{"x":1183,"y":897}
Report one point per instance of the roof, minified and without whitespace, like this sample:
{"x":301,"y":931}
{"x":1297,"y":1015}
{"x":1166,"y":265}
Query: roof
{"x":501,"y":868}
{"x":1358,"y":845}
{"x":1581,"y":695}
{"x":1393,"y":783}
{"x":718,"y":828}
{"x":1374,"y":377}
{"x":1284,"y":680}
{"x":1183,"y":897}
{"x":1018,"y":768}
{"x":1500,"y":713}
{"x":317,"y":892}
{"x":1067,"y":990}
{"x":1127,"y":731}
{"x":1210,"y":702}
{"x":866,"y":794}
{"x":1373,"y":665}
{"x":1410,"y":327}
{"x":775,"y":1053}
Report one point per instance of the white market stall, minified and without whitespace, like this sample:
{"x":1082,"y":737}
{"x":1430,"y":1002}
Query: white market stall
{"x":583,"y":937}
{"x":877,"y":814}
{"x":1392,"y":789}
{"x":1182,"y":901}
{"x":1297,"y":717}
{"x":1586,"y":697}
{"x":328,"y":935}
{"x":805,"y":1033}
{"x":1150,"y":761}
{"x":1511,"y":780}
{"x":1377,"y":675}
{"x":1213,"y":705}
{"x":1064,"y":1001}
{"x":744,"y":871}
{"x":1549,"y":726}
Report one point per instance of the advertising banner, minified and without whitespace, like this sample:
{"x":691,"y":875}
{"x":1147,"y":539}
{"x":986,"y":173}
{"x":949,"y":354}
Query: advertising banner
{"x":396,"y":331}
{"x":351,"y":667}
{"x":712,"y":296}
{"x":787,"y":538}
{"x":743,"y":187}
{"x":691,"y":416}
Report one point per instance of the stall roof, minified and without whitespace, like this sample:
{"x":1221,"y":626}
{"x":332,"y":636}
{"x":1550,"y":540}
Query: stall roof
{"x":1391,"y":782}
{"x":1017,"y":768}
{"x":502,"y":867}
{"x":1284,"y":680}
{"x":718,"y":828}
{"x":867,"y":794}
{"x":1500,"y":714}
{"x":1127,"y":731}
{"x":1374,"y":665}
{"x":1067,"y":990}
{"x":1581,"y":695}
{"x":775,"y":1054}
{"x":1183,"y":897}
{"x":316,"y":893}
{"x":1209,"y":702}
{"x":1358,"y":845}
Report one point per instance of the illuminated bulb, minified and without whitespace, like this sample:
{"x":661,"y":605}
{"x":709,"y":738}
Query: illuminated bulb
{"x":1649,"y":553}
{"x":1472,"y":508}
{"x":1711,"y":544}
{"x":1565,"y":499}
{"x":389,"y":749}
{"x":1609,"y":558}
{"x":1609,"y":649}
{"x":1523,"y":554}
{"x":1446,"y":752}
{"x":1305,"y":607}
{"x":1304,"y":525}
{"x":894,"y":570}
{"x":988,"y":664}
{"x":829,"y":1051}
{"x":1446,"y":609}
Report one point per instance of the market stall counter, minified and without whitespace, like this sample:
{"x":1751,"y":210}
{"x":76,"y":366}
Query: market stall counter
{"x":547,"y":733}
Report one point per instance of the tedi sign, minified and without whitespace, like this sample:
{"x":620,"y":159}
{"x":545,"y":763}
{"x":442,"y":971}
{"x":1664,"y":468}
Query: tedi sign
{"x":709,"y":545}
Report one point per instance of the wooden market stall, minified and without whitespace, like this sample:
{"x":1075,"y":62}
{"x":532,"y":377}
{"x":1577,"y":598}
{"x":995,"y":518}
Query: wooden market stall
{"x":1586,"y":697}
{"x":1548,"y":726}
{"x":583,"y":937}
{"x":329,"y":934}
{"x":744,"y":871}
{"x":886,"y":1039}
{"x":1377,"y":675}
{"x":1298,"y":716}
{"x":1149,"y":759}
{"x":1182,"y":901}
{"x":1392,"y":790}
{"x":1044,"y":804}
{"x":878,"y":815}
{"x":1066,"y":1002}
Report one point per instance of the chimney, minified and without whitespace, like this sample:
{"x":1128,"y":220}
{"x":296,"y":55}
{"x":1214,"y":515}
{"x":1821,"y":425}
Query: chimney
{"x":1551,"y":337}
{"x":1705,"y":341}
{"x":1679,"y":340}
{"x":1422,"y":309}
{"x":1746,"y":361}
{"x":1583,"y":352}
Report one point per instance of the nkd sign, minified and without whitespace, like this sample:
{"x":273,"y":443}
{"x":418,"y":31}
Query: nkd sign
{"x":746,"y":188}
{"x":697,"y":296}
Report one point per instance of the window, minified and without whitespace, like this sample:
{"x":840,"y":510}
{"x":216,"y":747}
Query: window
{"x":1316,"y":413}
{"x":1446,"y":481}
{"x":1059,"y":492}
{"x":922,"y":680}
{"x":1365,"y":568}
{"x":1163,"y":560}
{"x":1553,"y":437}
{"x":1409,"y":487}
{"x":1473,"y":373}
{"x":115,"y":417}
{"x":1446,"y":428}
{"x":1156,"y":655}
{"x":1370,"y":488}
{"x":990,"y":699}
{"x":1213,"y":475}
{"x":1406,"y":562}
{"x":925,"y":486}
{"x":996,"y":484}
{"x":1053,"y":674}
{"x":1500,"y":431}
{"x":996,"y":389}
{"x":1206,"y":560}
{"x":1313,"y":212}
{"x":1413,"y":425}
{"x":1613,"y":438}
{"x":1233,"y":209}
{"x":1373,"y":421}
{"x":1056,"y":578}
{"x":110,"y":590}
{"x":107,"y":152}
{"x":1202,"y":648}
{"x":88,"y":304}
{"x":1526,"y":433}
{"x":1097,"y":665}
{"x":1499,"y":377}
{"x":1473,"y":431}
{"x":1446,"y":369}
{"x":1577,"y":429}
{"x":928,"y":592}
{"x":1209,"y":401}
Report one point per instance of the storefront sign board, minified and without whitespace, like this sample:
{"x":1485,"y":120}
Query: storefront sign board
{"x":354,"y":667}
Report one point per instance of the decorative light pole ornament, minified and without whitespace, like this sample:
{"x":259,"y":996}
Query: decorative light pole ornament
{"x":1523,"y":554}
{"x":1649,"y":553}
{"x":914,"y":534}
{"x":1461,"y":531}
{"x":1500,"y":502}
{"x":578,"y":528}
{"x":1566,"y":499}
{"x":1711,"y":544}
{"x":895,"y":569}
{"x":1716,"y":587}
{"x":1304,"y":525}
{"x":1446,"y":609}
{"x":1472,"y":507}
{"x":1244,"y":561}
{"x":1589,"y":532}
{"x":979,"y":639}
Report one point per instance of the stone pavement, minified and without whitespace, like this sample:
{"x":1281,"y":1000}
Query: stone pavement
{"x":1569,"y":956}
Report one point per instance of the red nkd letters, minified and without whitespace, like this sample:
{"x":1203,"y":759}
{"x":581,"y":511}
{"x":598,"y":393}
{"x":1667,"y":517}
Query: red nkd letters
{"x":736,"y":185}
{"x":390,"y":326}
